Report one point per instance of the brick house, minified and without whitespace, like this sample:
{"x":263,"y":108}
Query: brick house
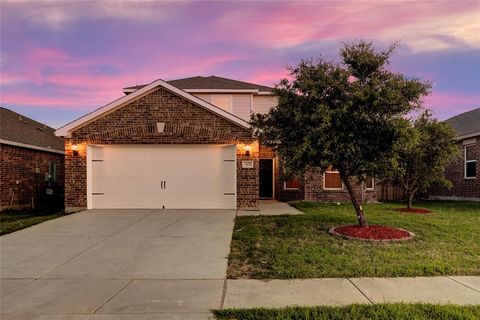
{"x":184,"y":143}
{"x":463,"y":172}
{"x":32,"y":163}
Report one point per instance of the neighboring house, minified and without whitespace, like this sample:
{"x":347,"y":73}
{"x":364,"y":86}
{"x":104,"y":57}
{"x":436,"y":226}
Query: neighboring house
{"x":463,"y":172}
{"x":32,"y":163}
{"x":184,"y":143}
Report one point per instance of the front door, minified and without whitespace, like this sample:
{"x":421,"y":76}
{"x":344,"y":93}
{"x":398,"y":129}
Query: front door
{"x":266,"y":178}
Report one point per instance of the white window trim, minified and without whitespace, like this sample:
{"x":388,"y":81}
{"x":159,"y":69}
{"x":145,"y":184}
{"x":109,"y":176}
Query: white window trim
{"x":285,"y":186}
{"x":373,"y":185}
{"x":465,"y":161}
{"x":325,"y":188}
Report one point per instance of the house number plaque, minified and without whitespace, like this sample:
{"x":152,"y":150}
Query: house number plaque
{"x":247,"y":164}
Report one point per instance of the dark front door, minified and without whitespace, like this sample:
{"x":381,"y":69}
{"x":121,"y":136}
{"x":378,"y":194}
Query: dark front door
{"x":266,"y":178}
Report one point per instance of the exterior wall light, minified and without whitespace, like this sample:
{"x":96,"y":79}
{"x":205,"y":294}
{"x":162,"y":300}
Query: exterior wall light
{"x":75,"y":150}
{"x":247,"y":150}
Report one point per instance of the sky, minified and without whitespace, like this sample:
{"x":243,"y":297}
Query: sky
{"x":62,"y":59}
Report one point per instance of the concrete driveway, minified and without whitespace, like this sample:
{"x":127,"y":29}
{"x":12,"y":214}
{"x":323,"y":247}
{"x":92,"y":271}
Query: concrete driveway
{"x":117,"y":264}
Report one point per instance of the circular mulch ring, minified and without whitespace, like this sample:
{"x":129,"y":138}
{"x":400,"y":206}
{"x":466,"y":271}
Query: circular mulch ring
{"x":372,"y":233}
{"x":414,"y":210}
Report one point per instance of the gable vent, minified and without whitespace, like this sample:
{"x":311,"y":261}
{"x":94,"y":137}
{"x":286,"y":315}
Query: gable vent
{"x":161,"y":127}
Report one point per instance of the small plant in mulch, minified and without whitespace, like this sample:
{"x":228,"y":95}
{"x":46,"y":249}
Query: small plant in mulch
{"x":372,"y":233}
{"x":414,"y":210}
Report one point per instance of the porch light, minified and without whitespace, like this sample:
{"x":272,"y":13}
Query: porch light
{"x":248,"y":148}
{"x":75,"y":149}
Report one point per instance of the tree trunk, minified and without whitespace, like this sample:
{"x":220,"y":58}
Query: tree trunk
{"x":410,"y":199}
{"x":356,"y":204}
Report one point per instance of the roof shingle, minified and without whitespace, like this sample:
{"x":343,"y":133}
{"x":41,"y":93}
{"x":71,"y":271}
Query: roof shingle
{"x":466,"y":123}
{"x":18,"y":128}
{"x":212,"y":82}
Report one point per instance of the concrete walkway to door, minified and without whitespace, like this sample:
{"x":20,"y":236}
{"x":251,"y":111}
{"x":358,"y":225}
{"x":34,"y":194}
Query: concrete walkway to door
{"x":117,"y":264}
{"x":270,"y":208}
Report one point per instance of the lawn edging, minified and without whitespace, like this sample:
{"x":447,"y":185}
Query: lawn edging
{"x":410,"y":236}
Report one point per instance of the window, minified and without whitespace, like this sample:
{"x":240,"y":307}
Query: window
{"x":293,"y":184}
{"x":470,"y":162}
{"x":332,"y":180}
{"x":51,"y":175}
{"x":223,"y":101}
{"x":370,"y":183}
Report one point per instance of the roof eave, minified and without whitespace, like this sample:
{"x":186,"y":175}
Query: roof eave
{"x":468,"y":135}
{"x":30,"y":146}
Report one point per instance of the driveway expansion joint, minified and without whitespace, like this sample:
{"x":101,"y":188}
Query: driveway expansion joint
{"x":222,"y":301}
{"x":113,"y":295}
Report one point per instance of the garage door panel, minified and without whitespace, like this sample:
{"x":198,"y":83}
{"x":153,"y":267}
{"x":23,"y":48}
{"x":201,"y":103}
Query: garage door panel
{"x":157,"y":176}
{"x":229,"y":177}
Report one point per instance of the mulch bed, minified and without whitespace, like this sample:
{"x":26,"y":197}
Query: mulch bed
{"x":414,"y":210}
{"x":372,"y":233}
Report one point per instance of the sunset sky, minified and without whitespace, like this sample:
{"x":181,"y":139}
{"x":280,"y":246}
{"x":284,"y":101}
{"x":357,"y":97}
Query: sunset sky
{"x":62,"y":59}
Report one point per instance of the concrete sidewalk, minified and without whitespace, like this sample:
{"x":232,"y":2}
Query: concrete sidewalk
{"x":247,"y":293}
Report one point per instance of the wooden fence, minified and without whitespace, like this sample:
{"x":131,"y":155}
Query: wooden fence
{"x":389,"y":192}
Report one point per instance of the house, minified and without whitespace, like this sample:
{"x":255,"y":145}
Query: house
{"x":463,"y":172}
{"x":183,"y":143}
{"x":32,"y":163}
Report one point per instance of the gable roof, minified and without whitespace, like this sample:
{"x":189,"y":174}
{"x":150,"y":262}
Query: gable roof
{"x":18,"y":130}
{"x":466,"y":124}
{"x":114,"y":105}
{"x":210,"y":83}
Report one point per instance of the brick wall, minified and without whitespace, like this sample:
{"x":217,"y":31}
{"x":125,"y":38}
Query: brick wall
{"x":311,"y":185}
{"x":28,"y":167}
{"x":283,"y":194}
{"x":135,"y":123}
{"x":314,"y":190}
{"x":455,"y":172}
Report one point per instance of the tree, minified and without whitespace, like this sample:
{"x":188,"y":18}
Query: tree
{"x":340,"y":114}
{"x":423,"y":149}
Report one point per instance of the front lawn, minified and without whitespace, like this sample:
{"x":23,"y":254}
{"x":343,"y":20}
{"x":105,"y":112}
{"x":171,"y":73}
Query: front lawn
{"x":446,"y":243}
{"x":14,"y":220}
{"x":356,"y":312}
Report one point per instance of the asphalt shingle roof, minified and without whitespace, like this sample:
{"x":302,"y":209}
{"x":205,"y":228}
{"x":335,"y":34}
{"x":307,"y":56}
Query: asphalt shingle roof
{"x":466,"y":123}
{"x":212,"y":82}
{"x":18,"y":128}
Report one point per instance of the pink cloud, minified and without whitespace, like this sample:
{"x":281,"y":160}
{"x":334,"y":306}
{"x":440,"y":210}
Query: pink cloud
{"x":447,"y":104}
{"x":77,"y":85}
{"x":268,"y":77}
{"x":289,"y":24}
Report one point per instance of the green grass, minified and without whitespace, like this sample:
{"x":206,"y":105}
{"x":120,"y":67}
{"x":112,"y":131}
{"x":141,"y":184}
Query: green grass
{"x":12,"y":220}
{"x":446,"y":243}
{"x":356,"y":312}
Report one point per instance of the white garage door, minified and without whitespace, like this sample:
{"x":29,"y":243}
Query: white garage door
{"x":167,"y":176}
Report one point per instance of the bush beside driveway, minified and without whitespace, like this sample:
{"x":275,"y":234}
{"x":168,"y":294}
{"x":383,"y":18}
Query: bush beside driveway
{"x":286,"y":247}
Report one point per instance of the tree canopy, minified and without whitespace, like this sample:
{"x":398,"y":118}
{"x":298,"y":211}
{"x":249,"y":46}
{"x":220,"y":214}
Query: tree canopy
{"x":342,"y":114}
{"x":422,"y":150}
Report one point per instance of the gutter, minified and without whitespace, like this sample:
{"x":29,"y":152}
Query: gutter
{"x":30,"y":146}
